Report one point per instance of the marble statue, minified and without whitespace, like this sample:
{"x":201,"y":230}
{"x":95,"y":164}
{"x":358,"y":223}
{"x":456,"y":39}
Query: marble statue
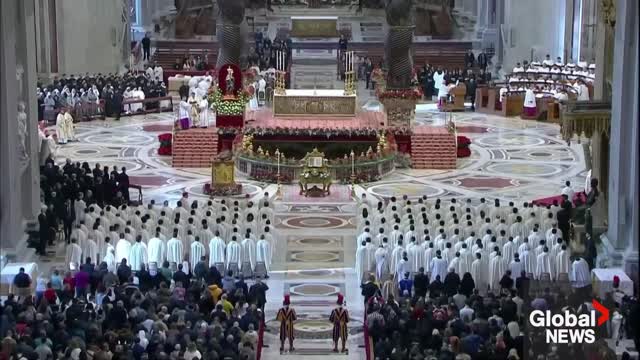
{"x":22,"y":133}
{"x":398,"y":43}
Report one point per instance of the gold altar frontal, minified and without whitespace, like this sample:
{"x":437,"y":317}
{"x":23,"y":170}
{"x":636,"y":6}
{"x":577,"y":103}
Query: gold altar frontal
{"x":314,"y":26}
{"x":314,"y":102}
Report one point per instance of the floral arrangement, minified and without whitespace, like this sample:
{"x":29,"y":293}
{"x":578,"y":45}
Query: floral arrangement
{"x":328,"y":132}
{"x":165,"y":144}
{"x":408,"y":94}
{"x":463,"y":146}
{"x":222,"y":190}
{"x":228,"y":107}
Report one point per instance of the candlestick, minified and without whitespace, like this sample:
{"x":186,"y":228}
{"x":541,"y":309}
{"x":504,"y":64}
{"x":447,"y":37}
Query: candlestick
{"x":353,"y":163}
{"x":278,"y":156}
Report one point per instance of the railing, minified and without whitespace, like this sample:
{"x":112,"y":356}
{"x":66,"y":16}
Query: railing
{"x":267,"y":169}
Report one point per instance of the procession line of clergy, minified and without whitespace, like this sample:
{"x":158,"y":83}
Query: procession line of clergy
{"x":486,"y":251}
{"x":65,"y":130}
{"x":145,"y":235}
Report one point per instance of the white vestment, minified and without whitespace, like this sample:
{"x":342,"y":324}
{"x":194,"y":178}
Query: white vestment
{"x":138,"y":256}
{"x":263,"y":253}
{"x":479,"y":275}
{"x":370,"y":257}
{"x":249,"y":252}
{"x":429,"y":254}
{"x":580,"y":275}
{"x":197,"y":252}
{"x":175,"y":251}
{"x":545,"y":264}
{"x":61,"y":130}
{"x":123,"y":249}
{"x":465,"y":262}
{"x":90,"y":249}
{"x":216,"y":251}
{"x":439,"y":266}
{"x":73,"y":256}
{"x":529,"y":262}
{"x":234,"y":252}
{"x":416,"y":257}
{"x":516,"y":268}
{"x":563,"y":264}
{"x":396,"y":256}
{"x":361,"y":254}
{"x":110,"y":259}
{"x":496,"y":270}
{"x":507,"y":251}
{"x":156,"y":251}
{"x":78,"y":207}
{"x":401,"y":269}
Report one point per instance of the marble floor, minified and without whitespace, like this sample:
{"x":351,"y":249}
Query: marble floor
{"x":511,"y":159}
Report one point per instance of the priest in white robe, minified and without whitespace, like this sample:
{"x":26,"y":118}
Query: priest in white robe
{"x":545,"y":264}
{"x":123,"y":249}
{"x":61,"y":129}
{"x":396,"y":256}
{"x":382,"y":264}
{"x":249,"y":251}
{"x":90,"y":250}
{"x":508,"y":250}
{"x":175,"y":250}
{"x":479,"y":273}
{"x":361,"y":255}
{"x":580,"y":275}
{"x":138,"y":255}
{"x":429,"y":254}
{"x":516,"y":266}
{"x":73,"y":256}
{"x":529,"y":261}
{"x":497,"y":268}
{"x":197,"y":252}
{"x":264,"y":252}
{"x":216,"y":249}
{"x":416,"y":256}
{"x":370,"y":257}
{"x":563,"y":262}
{"x":402,"y":267}
{"x":110,"y":259}
{"x":234,"y":252}
{"x":439,"y":266}
{"x":156,"y":249}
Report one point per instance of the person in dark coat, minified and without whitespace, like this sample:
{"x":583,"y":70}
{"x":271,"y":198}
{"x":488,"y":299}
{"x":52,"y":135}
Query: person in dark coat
{"x":369,"y":289}
{"x":43,"y":232}
{"x":123,"y":183}
{"x":471,"y":91}
{"x":420,"y":283}
{"x":467,"y":284}
{"x":451,"y":283}
{"x":482,"y":61}
{"x":469,"y":60}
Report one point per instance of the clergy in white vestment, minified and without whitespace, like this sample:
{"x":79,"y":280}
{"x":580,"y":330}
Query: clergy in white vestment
{"x":508,"y":250}
{"x":156,"y":249}
{"x":138,"y":255}
{"x":90,"y":250}
{"x":61,"y":129}
{"x":429,"y":254}
{"x":416,"y":256}
{"x":216,"y":249}
{"x":497,"y":268}
{"x":382,"y":264}
{"x":363,"y":236}
{"x":439,"y":266}
{"x":123,"y":249}
{"x":73,"y":256}
{"x":545,"y":264}
{"x":396,"y":256}
{"x":234,"y":252}
{"x":563,"y":262}
{"x":580,"y":275}
{"x":402,"y":267}
{"x":479,"y":273}
{"x":466,"y":259}
{"x":529,"y":261}
{"x":395,"y":236}
{"x":110,"y":259}
{"x":175,"y":250}
{"x":264,"y":252}
{"x":79,"y":207}
{"x":197,"y":252}
{"x":249,"y":251}
{"x":370,"y":257}
{"x":518,"y":229}
{"x":78,"y":234}
{"x":515,"y":266}
{"x":361,"y":255}
{"x":454,"y":263}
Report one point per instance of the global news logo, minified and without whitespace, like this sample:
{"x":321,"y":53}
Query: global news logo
{"x":568,"y":328}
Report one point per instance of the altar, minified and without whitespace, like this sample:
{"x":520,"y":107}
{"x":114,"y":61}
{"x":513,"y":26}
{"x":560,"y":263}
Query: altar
{"x":296,"y":102}
{"x":314,"y":26}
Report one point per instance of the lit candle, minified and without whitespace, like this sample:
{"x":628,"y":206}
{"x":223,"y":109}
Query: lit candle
{"x":353,"y":163}
{"x":278,"y":156}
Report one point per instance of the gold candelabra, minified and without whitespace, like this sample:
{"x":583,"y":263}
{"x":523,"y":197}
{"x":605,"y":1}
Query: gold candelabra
{"x":349,"y":74}
{"x":280,"y":73}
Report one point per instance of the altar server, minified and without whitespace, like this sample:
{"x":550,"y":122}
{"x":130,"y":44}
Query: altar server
{"x":175,"y":249}
{"x":73,"y":256}
{"x":216,"y":249}
{"x":197,"y":252}
{"x":203,"y":107}
{"x":138,"y":255}
{"x":234,"y":252}
{"x":184,"y":114}
{"x":264,"y":252}
{"x":529,"y":107}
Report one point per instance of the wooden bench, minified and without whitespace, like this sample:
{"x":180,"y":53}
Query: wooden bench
{"x":457,"y":93}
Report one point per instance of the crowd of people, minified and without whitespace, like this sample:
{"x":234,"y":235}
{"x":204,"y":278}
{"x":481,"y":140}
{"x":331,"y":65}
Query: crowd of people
{"x":95,"y":313}
{"x":82,"y":95}
{"x":265,"y":51}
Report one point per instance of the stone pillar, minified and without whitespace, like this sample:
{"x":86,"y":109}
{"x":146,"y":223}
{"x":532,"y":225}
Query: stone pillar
{"x":19,"y":185}
{"x":622,"y":234}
